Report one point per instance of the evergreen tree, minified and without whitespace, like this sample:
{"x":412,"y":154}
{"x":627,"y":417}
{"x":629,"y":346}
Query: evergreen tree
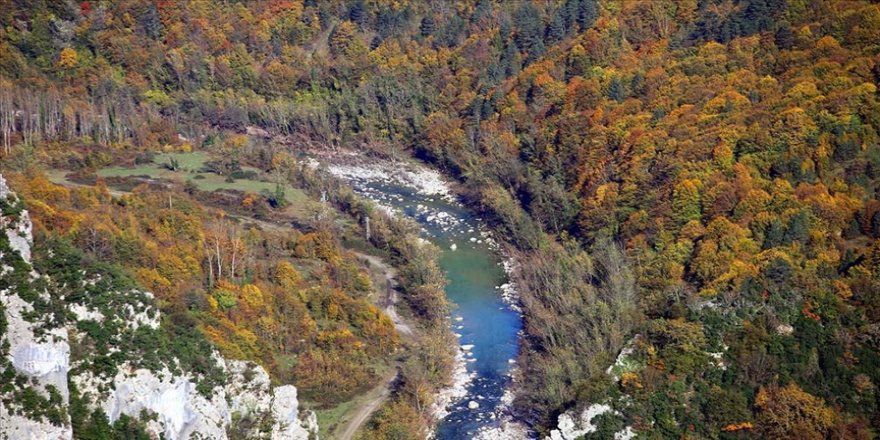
{"x":637,"y":85}
{"x":570,"y":9}
{"x":150,"y":24}
{"x":482,"y":9}
{"x":875,"y":224}
{"x":448,"y":34}
{"x":99,"y":428}
{"x":535,"y":52}
{"x":798,"y":229}
{"x":616,"y":90}
{"x":357,"y":13}
{"x":774,"y":235}
{"x":528,"y":31}
{"x":129,"y":428}
{"x":876,"y":73}
{"x":555,"y":31}
{"x":527,"y":26}
{"x":427,"y":27}
{"x":784,"y":37}
{"x":510,"y":60}
{"x":588,"y":12}
{"x":504,"y":30}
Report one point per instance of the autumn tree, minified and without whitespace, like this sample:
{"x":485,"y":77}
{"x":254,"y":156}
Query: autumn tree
{"x":790,"y":412}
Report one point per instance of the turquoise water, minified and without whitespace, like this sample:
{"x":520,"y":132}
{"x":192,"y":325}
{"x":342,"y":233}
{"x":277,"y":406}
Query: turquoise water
{"x":481,"y":318}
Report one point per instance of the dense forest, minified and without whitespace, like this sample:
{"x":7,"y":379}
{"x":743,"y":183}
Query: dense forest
{"x":694,"y":181}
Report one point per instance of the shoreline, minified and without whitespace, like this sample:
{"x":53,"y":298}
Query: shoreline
{"x":357,"y":170}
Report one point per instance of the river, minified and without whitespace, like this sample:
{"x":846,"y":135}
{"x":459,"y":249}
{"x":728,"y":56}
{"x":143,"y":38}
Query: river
{"x":486,"y":325}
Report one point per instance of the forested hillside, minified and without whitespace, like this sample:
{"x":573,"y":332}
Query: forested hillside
{"x":696,"y":181}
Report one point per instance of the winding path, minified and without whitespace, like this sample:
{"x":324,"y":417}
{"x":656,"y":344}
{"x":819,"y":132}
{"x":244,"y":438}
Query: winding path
{"x":390,"y":299}
{"x":376,"y":396}
{"x":379,"y":393}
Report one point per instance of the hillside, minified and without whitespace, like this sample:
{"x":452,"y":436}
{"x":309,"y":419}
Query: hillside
{"x":690,"y":187}
{"x":82,"y":348}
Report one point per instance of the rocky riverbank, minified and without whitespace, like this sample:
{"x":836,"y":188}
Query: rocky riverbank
{"x":409,"y":189}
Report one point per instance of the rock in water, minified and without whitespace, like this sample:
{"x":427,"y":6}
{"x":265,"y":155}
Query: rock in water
{"x":473,"y":405}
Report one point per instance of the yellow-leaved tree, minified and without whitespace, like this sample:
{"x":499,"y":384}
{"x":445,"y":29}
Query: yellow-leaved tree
{"x":68,"y":58}
{"x":790,"y":412}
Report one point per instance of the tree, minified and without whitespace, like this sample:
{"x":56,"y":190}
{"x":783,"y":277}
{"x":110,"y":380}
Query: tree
{"x":342,"y":37}
{"x":790,"y":412}
{"x":784,"y":37}
{"x":587,"y":13}
{"x":528,"y":30}
{"x":616,"y":91}
{"x":428,"y":26}
{"x":286,"y":276}
{"x":357,"y":13}
{"x":686,"y":201}
{"x":556,"y":28}
{"x":98,"y":428}
{"x":875,"y":224}
{"x":67,"y":59}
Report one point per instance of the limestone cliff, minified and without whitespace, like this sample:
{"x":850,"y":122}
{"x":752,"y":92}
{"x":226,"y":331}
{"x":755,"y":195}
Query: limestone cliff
{"x":43,"y":316}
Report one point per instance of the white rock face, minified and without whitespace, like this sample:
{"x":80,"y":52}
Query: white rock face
{"x":621,"y":362}
{"x":181,"y":411}
{"x":784,"y":329}
{"x":19,"y":232}
{"x":627,"y":434}
{"x":571,"y":426}
{"x":43,"y":359}
{"x":84,"y":313}
{"x":162,"y":394}
{"x":14,"y":427}
{"x":184,"y":413}
{"x":286,"y":414}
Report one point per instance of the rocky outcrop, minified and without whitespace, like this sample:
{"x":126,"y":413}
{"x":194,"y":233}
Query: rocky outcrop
{"x":572,"y":425}
{"x":41,"y":358}
{"x":40,"y":354}
{"x":181,"y":412}
{"x":287,"y":420}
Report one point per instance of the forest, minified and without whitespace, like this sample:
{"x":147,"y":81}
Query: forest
{"x":693,"y":181}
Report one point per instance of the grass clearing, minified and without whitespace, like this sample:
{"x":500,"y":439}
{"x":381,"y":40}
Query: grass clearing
{"x":187,"y":161}
{"x":190,"y":168}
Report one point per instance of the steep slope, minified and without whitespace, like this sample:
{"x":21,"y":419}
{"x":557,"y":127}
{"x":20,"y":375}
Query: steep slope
{"x":49,"y":392}
{"x":694,"y":180}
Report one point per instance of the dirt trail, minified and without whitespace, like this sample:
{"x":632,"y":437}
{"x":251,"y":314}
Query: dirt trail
{"x":390,"y":299}
{"x":377,"y":397}
{"x":379,"y":393}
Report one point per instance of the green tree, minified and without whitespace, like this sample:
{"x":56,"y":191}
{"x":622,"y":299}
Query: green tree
{"x":342,"y":37}
{"x":428,"y":26}
{"x":556,"y":28}
{"x":587,"y":13}
{"x":686,"y":201}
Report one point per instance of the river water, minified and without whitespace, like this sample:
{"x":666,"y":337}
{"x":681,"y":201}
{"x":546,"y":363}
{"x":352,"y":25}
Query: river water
{"x":487,"y":326}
